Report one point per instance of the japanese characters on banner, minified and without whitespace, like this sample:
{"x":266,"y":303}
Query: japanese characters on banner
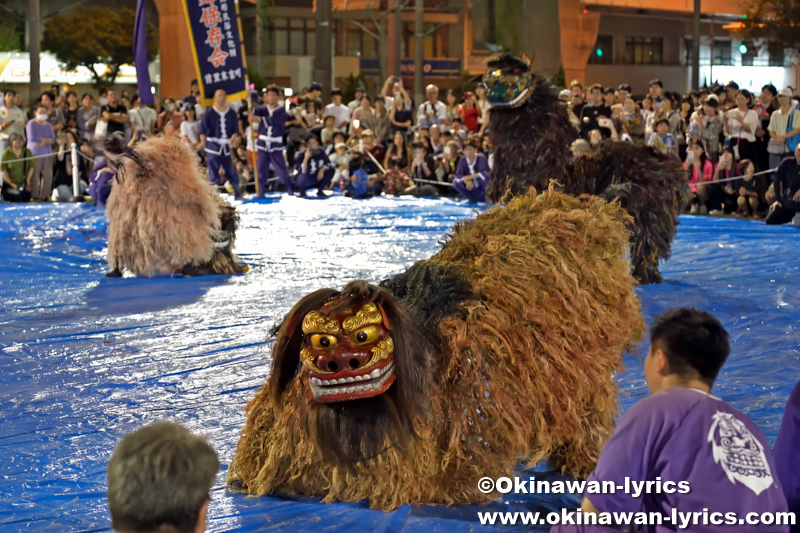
{"x":219,"y":57}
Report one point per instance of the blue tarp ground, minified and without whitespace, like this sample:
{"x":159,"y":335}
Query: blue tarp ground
{"x":87,"y":359}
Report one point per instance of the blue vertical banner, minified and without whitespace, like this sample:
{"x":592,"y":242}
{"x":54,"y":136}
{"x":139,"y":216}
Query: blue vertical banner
{"x":140,"y":55}
{"x":215,"y":33}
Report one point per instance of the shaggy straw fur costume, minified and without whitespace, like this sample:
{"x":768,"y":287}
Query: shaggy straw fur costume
{"x":164,"y":215}
{"x":531,"y":147}
{"x":506,"y":342}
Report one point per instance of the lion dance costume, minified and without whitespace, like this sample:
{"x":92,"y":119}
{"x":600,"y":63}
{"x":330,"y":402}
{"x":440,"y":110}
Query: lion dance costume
{"x":530,"y":136}
{"x":501,"y":348}
{"x":164,"y":215}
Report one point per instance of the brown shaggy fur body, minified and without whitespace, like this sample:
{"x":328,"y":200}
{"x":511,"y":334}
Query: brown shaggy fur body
{"x":520,"y":373}
{"x":164,"y":214}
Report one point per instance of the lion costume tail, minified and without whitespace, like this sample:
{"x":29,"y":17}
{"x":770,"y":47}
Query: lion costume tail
{"x":164,"y":215}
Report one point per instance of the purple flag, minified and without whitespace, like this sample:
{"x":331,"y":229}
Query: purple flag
{"x":140,"y":55}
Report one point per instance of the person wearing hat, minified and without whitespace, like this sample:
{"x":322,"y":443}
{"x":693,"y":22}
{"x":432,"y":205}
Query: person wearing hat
{"x":271,"y":120}
{"x":784,"y":123}
{"x":17,"y":170}
{"x":359,"y":94}
{"x":338,"y":110}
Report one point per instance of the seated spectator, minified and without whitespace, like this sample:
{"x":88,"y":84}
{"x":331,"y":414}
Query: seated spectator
{"x":580,"y":148}
{"x":398,"y":156}
{"x":684,"y":435}
{"x":631,"y":121}
{"x":338,"y":110}
{"x":375,"y":149}
{"x":327,"y":132}
{"x":338,"y":138}
{"x":787,"y":454}
{"x":340,"y":159}
{"x":472,"y":175}
{"x":358,"y":184}
{"x":431,"y":111}
{"x":721,"y":196}
{"x":400,"y":117}
{"x":16,"y":174}
{"x":423,"y":166}
{"x":701,"y":171}
{"x":436,"y":142}
{"x":314,"y":169}
{"x":172,"y":129}
{"x":41,"y":137}
{"x":160,"y":479}
{"x":662,"y":140}
{"x":748,"y":193}
{"x":446,"y":171}
{"x":786,"y":186}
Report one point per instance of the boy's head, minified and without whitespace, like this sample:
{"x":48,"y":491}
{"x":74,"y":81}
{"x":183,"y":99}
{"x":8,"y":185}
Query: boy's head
{"x":662,"y":127}
{"x":158,"y":476}
{"x":686,"y":345}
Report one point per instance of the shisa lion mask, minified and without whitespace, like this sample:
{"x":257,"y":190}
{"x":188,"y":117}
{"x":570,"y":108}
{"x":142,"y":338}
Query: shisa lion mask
{"x":509,"y":82}
{"x":347,"y":355}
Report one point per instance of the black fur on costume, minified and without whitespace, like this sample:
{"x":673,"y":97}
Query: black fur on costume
{"x":531,"y":147}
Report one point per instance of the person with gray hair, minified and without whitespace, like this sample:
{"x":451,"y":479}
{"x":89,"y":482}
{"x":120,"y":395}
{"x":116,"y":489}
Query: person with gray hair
{"x":159,"y":479}
{"x":431,"y":111}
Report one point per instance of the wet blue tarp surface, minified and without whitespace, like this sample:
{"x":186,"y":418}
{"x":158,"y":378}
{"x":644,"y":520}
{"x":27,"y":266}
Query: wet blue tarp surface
{"x":86,"y":359}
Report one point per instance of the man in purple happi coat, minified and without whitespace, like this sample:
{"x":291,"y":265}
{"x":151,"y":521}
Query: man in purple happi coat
{"x":271,"y":119}
{"x":787,"y":455}
{"x":472,"y":175}
{"x":699,"y":454}
{"x":219,"y":123}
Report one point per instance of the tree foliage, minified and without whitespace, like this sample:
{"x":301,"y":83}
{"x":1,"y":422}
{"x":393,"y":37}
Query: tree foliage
{"x":773,"y":20}
{"x":12,"y":29}
{"x":91,"y":35}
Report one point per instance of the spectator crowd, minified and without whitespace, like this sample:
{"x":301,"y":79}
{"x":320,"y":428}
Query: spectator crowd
{"x":728,"y":140}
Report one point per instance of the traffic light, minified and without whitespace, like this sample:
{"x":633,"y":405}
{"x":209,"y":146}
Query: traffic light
{"x":742,"y":49}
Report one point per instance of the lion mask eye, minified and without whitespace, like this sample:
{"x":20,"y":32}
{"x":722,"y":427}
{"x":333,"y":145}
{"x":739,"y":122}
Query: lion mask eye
{"x":365,"y":335}
{"x":323,"y":342}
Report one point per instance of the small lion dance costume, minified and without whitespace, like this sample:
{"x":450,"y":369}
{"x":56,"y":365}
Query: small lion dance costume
{"x":498,"y":349}
{"x":531,"y":134}
{"x":164,"y":215}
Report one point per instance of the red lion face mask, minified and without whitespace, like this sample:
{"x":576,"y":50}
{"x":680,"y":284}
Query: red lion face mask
{"x":348,"y":355}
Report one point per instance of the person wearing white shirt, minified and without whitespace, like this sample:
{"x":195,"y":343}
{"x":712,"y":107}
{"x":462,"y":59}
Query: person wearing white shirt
{"x":432,"y":111}
{"x":396,"y":83}
{"x":142,"y":117}
{"x":12,"y":120}
{"x":352,"y":106}
{"x":740,"y":125}
{"x":338,"y":110}
{"x":779,"y":128}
